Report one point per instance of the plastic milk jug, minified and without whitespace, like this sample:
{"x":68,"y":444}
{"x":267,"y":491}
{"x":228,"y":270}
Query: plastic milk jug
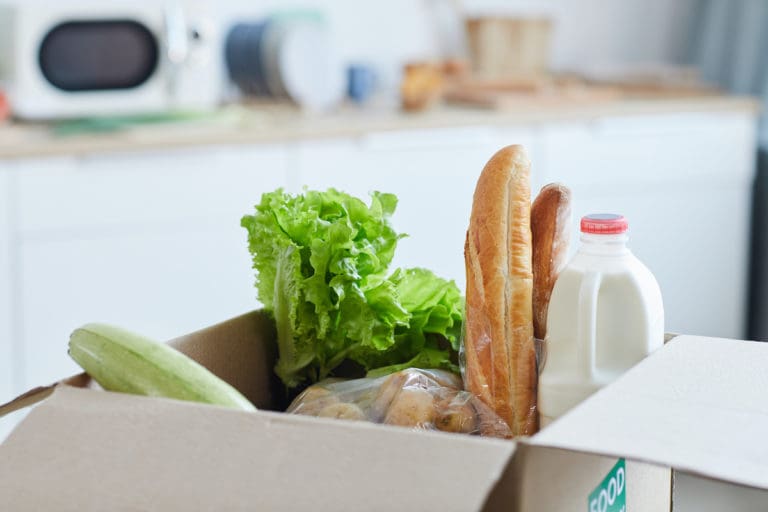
{"x":605,"y":315}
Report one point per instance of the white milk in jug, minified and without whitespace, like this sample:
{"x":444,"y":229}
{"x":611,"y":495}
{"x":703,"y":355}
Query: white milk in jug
{"x":605,"y":315}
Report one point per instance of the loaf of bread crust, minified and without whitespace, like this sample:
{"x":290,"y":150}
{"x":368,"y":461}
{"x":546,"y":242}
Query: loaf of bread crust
{"x":500,"y":354}
{"x":550,"y":227}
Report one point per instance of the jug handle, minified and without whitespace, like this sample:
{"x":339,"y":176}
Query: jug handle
{"x":587,"y":319}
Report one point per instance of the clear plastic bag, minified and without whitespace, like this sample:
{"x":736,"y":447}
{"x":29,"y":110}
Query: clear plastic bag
{"x":522,"y":415}
{"x":421,"y":399}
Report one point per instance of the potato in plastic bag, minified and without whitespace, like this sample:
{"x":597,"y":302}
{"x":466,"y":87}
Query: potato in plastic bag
{"x":421,"y":399}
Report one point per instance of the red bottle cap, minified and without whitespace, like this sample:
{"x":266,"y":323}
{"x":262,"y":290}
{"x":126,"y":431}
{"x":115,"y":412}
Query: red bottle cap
{"x":604,"y":224}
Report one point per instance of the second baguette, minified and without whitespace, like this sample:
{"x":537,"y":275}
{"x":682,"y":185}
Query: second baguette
{"x":550,"y":226}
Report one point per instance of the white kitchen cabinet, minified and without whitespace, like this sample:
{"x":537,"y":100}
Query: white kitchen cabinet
{"x":10,"y":372}
{"x":160,"y":282}
{"x":142,"y":189}
{"x":152,"y":242}
{"x":433,"y":173}
{"x":6,"y":285}
{"x":684,"y":182}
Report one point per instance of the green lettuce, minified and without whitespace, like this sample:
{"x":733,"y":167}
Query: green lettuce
{"x":322,"y":260}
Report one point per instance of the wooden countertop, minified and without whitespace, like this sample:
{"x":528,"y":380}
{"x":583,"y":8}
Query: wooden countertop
{"x":276,"y":124}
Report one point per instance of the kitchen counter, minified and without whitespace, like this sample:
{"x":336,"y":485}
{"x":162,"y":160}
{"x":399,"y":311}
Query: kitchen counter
{"x":270,"y":123}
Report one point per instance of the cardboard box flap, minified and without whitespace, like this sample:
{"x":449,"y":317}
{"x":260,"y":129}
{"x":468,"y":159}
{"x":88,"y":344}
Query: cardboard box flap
{"x":88,"y":450}
{"x":698,"y":405}
{"x":242,"y":351}
{"x":40,"y":393}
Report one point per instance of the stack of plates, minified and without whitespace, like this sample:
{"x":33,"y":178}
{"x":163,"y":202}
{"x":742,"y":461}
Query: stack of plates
{"x":286,"y":58}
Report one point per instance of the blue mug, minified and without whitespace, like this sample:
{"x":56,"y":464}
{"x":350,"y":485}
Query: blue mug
{"x":361,"y":82}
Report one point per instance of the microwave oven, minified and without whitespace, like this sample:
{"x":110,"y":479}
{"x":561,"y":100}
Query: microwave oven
{"x":84,"y":58}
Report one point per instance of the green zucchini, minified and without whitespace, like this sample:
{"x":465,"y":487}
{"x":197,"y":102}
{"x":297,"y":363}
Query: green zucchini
{"x":122,"y":361}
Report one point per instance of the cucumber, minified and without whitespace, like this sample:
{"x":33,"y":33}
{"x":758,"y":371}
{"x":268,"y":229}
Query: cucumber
{"x":122,"y":361}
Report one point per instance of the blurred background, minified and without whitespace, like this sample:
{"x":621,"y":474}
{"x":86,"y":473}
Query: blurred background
{"x":135,"y":134}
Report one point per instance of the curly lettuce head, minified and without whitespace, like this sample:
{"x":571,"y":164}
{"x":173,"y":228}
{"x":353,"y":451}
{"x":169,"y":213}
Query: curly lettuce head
{"x":322,"y":260}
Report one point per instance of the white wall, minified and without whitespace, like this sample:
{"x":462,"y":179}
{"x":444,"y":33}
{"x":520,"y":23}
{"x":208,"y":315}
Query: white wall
{"x":596,"y":33}
{"x":588,"y":33}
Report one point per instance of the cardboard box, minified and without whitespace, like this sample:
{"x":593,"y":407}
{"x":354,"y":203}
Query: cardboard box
{"x":86,"y":449}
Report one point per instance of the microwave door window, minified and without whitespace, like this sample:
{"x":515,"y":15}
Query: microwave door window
{"x":98,"y":55}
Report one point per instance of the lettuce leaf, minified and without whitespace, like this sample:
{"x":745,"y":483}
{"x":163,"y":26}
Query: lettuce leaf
{"x":322,"y":261}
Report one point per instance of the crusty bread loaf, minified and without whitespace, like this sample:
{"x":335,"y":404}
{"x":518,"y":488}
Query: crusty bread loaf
{"x":499,"y":346}
{"x":550,"y":227}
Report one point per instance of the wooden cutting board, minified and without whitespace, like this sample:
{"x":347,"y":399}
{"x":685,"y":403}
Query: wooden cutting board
{"x":514,"y":95}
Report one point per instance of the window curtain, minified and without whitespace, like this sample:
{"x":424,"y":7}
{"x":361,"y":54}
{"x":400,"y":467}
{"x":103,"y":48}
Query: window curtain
{"x":729,"y":45}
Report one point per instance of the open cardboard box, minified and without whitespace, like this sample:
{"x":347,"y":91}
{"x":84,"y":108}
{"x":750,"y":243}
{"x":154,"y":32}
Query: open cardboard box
{"x":698,"y":405}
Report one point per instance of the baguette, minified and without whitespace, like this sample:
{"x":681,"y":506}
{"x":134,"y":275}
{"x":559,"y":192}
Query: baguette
{"x":550,"y":227}
{"x":500,"y":353}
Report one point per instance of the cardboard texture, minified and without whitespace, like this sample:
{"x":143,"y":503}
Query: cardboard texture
{"x":697,"y":405}
{"x":183,"y":456}
{"x":544,"y":479}
{"x":85,"y":450}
